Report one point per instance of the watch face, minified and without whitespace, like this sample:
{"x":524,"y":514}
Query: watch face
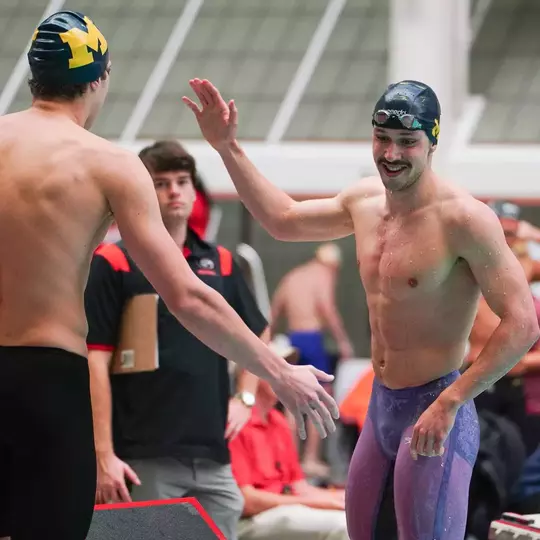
{"x":248,"y":399}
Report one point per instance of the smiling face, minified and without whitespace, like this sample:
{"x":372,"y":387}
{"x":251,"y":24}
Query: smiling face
{"x":401,"y":156}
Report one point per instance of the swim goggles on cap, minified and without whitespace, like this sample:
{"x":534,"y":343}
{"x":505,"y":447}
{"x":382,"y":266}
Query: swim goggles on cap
{"x":407,"y":120}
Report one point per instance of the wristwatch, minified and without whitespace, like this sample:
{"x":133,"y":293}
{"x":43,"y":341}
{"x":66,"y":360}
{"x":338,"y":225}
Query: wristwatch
{"x":247,"y":398}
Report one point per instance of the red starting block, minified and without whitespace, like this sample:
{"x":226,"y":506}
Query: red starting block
{"x":514,"y":527}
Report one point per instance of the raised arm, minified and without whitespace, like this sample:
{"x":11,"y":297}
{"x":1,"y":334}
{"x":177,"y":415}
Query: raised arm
{"x":283,"y":217}
{"x":203,"y":311}
{"x":479,"y":240}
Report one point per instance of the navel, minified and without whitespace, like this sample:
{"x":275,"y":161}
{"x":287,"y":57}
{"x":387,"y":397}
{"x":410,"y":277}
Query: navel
{"x":413,"y":282}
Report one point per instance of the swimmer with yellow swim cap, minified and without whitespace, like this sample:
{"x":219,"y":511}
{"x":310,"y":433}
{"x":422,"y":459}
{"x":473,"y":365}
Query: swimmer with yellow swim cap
{"x":60,"y":186}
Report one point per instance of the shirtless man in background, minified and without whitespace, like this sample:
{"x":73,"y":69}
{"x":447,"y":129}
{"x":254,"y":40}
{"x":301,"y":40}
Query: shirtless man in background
{"x":426,"y":249}
{"x":515,"y":396}
{"x":306,"y":298}
{"x":60,"y":186}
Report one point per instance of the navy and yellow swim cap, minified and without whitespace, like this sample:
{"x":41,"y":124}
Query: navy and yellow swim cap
{"x":409,"y":105}
{"x":67,"y":48}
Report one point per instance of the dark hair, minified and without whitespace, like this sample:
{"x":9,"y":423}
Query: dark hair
{"x":52,"y":90}
{"x":165,"y":156}
{"x":56,"y":92}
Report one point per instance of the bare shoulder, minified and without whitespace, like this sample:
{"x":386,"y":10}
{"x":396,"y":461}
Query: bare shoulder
{"x":469,"y":222}
{"x":114,"y":164}
{"x":361,"y":190}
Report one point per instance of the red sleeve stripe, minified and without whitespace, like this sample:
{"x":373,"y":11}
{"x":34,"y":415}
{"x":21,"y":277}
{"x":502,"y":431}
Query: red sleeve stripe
{"x":115,"y":256}
{"x":225,"y":261}
{"x":98,"y":347}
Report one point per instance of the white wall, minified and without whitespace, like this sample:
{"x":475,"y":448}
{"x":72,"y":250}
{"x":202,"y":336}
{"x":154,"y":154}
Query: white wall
{"x":313,"y":168}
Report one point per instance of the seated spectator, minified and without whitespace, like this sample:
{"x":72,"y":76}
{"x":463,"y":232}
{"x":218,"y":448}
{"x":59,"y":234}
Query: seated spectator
{"x":279,"y":502}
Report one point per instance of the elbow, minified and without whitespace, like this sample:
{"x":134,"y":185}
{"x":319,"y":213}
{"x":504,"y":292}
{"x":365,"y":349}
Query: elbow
{"x":283,"y":228}
{"x":279,"y":231}
{"x":250,"y":506}
{"x":530,"y":329}
{"x":187,"y":300}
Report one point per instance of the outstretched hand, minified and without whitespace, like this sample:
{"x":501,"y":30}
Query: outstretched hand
{"x":301,"y":392}
{"x":217,"y":119}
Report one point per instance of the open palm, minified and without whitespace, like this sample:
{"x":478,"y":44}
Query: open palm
{"x":217,"y":119}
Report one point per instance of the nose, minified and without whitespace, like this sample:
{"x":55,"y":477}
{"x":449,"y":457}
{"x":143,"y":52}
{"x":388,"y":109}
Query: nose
{"x":392,"y":152}
{"x":174,"y":191}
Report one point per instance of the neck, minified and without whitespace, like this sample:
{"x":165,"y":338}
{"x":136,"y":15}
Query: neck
{"x":74,"y":111}
{"x":178,"y":232}
{"x":416,"y":196}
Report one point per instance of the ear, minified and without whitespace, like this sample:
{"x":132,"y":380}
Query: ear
{"x":94,"y":85}
{"x":432,"y":148}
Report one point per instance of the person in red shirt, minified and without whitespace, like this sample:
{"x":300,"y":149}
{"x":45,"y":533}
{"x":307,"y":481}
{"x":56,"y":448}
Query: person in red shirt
{"x":278,"y":501}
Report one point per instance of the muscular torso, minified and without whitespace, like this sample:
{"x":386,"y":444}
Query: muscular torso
{"x":300,"y":295}
{"x":422,"y":298}
{"x":52,"y":216}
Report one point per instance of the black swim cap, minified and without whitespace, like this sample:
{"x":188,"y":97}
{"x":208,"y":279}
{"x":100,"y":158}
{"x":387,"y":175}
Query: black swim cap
{"x":410,"y":98}
{"x":67,"y":48}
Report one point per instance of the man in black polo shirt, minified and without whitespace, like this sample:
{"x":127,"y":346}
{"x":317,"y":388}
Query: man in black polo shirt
{"x":167,"y":434}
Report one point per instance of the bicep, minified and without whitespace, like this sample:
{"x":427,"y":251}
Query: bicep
{"x":318,"y":220}
{"x":497,"y":271}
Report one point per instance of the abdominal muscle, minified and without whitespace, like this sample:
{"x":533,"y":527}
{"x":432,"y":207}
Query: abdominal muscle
{"x":412,"y":346}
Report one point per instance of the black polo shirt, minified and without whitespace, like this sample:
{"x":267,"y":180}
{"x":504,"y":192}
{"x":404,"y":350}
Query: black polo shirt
{"x":179,"y":410}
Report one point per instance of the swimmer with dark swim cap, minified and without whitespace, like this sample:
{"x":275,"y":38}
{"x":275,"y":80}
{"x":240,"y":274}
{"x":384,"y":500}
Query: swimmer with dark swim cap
{"x":426,"y":249}
{"x":60,"y":187}
{"x":408,"y":113}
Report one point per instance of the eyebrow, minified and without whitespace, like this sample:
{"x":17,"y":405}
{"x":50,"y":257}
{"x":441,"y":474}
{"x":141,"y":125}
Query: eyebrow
{"x":403,"y":133}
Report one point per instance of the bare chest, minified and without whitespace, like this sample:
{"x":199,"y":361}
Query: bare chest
{"x":401,"y":260}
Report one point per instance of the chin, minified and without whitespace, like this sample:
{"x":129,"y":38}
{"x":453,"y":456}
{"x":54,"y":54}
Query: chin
{"x":395,"y":183}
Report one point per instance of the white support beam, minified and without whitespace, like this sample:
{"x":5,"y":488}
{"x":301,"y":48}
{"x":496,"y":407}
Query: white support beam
{"x":305,"y":70}
{"x":159,"y":74}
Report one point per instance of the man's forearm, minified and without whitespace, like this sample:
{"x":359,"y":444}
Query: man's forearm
{"x":100,"y":390}
{"x":258,"y":500}
{"x":507,"y":345}
{"x":247,"y":382}
{"x":207,"y":315}
{"x":268,"y":204}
